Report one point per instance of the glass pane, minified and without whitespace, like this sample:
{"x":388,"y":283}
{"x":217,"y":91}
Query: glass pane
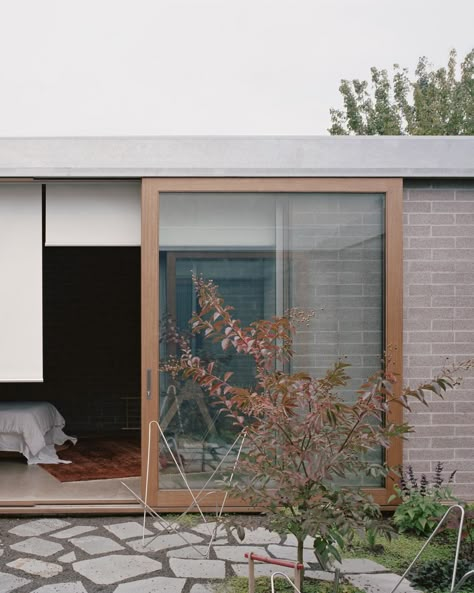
{"x":336,"y":252}
{"x":268,"y":252}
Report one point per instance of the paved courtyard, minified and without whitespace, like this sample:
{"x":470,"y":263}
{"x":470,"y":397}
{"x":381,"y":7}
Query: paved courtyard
{"x":107,"y":554}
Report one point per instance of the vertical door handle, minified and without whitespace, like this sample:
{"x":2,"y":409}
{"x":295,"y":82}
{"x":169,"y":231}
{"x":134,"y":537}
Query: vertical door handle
{"x":148,"y":383}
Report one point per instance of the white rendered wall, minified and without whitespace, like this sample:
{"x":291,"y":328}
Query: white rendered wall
{"x":21,"y":308}
{"x":93,"y":214}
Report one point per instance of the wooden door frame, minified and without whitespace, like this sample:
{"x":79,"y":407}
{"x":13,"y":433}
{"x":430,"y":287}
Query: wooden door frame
{"x":151,"y":188}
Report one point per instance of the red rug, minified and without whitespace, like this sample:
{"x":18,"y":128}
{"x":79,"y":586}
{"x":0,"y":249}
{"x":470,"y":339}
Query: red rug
{"x":98,"y":458}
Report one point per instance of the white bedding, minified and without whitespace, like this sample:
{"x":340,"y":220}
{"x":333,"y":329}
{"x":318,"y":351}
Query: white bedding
{"x":32,"y":428}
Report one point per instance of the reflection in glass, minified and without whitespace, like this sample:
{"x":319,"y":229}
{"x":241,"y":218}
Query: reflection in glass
{"x":267,"y":252}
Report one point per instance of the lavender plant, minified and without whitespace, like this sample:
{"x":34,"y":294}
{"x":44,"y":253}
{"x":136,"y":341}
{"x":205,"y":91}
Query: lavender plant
{"x":423,"y":500}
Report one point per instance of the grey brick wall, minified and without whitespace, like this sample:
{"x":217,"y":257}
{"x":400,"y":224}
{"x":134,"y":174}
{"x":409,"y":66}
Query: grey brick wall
{"x":439,"y":323}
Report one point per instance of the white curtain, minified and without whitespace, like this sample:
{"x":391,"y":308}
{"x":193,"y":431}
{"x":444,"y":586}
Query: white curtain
{"x":93,"y":214}
{"x":21,"y":308}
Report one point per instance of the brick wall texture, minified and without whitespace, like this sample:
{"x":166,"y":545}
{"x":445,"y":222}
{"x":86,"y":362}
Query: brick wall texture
{"x":439,"y":324}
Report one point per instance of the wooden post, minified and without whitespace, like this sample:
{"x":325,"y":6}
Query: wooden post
{"x":297,"y":576}
{"x":251,"y":574}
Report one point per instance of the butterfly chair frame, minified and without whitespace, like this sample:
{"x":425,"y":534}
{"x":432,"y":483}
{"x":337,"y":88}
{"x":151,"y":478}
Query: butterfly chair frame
{"x":196,"y":498}
{"x":456,"y":556}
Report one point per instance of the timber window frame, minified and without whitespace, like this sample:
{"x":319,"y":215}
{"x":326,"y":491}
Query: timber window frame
{"x":393,"y":303}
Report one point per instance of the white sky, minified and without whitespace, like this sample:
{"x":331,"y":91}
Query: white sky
{"x":145,"y":67}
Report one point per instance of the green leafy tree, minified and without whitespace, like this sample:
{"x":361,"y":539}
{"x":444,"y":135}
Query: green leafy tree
{"x":436,"y":102}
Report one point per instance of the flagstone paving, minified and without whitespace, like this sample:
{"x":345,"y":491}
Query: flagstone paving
{"x":38,"y":547}
{"x":39,"y":526}
{"x":73,"y":531}
{"x":96,"y":544}
{"x":10,"y":582}
{"x":38,"y":568}
{"x":108,"y":555}
{"x":76,"y":587}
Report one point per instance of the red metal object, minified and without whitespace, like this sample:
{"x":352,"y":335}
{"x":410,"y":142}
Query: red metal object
{"x":285,"y":563}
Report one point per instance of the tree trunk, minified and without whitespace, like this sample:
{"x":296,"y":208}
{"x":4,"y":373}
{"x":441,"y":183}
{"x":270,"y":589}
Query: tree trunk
{"x":301,"y":560}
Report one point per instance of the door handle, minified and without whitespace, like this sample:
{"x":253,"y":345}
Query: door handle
{"x":148,"y":383}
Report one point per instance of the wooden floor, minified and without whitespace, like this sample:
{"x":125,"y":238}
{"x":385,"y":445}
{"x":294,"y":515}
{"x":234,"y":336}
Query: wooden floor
{"x":25,"y":483}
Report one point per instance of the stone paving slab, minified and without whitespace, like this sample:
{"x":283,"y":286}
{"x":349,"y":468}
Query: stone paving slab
{"x":96,"y":544}
{"x":69,"y":557}
{"x":191,"y":552}
{"x":359,"y":565}
{"x":76,"y":587}
{"x":163,"y":542}
{"x":202,"y":569}
{"x":207,"y":529}
{"x":153,"y":585}
{"x":39,"y":527}
{"x":291,"y":540}
{"x":128,"y":530}
{"x":200,"y":588}
{"x":261,"y":570}
{"x":291,"y":553}
{"x":37,"y":546}
{"x":167,"y":527}
{"x":36,"y":567}
{"x":112,"y":569}
{"x":73,"y":531}
{"x":236,"y":553}
{"x":222,"y":541}
{"x":10,"y":582}
{"x":260,"y":536}
{"x":380,"y":583}
{"x":320,"y":575}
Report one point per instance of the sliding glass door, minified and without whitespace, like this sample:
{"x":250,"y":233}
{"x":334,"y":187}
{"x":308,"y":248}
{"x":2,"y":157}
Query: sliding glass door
{"x":304,"y":244}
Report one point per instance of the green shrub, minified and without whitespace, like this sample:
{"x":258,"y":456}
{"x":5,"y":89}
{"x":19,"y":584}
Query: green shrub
{"x":451,"y":526}
{"x":262,"y":585}
{"x":418,"y":514}
{"x":436,"y":575}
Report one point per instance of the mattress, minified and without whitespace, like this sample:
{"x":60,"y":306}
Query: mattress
{"x":33,"y":429}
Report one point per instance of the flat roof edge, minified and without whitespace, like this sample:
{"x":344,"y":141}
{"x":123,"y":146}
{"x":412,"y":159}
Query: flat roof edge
{"x":135,"y":173}
{"x":239,"y":156}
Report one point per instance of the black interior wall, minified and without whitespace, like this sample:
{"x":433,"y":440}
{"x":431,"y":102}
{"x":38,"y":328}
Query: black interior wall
{"x":91,"y":340}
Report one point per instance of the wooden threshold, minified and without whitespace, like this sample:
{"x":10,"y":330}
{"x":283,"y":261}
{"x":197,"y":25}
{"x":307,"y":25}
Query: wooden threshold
{"x":72,"y":509}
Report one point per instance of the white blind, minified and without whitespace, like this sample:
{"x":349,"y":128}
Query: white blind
{"x":216,"y":220}
{"x":21,"y":317}
{"x":93,"y":214}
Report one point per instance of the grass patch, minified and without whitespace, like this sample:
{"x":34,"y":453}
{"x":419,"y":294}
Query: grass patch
{"x":189,"y":520}
{"x":397,"y":554}
{"x":262,"y":585}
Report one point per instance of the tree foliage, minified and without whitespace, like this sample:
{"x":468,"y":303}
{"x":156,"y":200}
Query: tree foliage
{"x":436,"y":102}
{"x":303,"y":441}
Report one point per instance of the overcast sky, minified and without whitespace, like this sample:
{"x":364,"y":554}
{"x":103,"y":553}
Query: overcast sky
{"x":145,"y":67}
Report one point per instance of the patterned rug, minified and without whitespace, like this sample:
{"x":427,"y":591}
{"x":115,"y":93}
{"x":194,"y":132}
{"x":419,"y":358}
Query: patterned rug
{"x":98,"y":458}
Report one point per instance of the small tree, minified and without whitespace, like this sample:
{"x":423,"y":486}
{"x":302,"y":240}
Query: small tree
{"x":302,"y":439}
{"x":436,"y":102}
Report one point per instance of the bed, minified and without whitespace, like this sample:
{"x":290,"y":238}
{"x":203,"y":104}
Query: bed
{"x":33,"y":429}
